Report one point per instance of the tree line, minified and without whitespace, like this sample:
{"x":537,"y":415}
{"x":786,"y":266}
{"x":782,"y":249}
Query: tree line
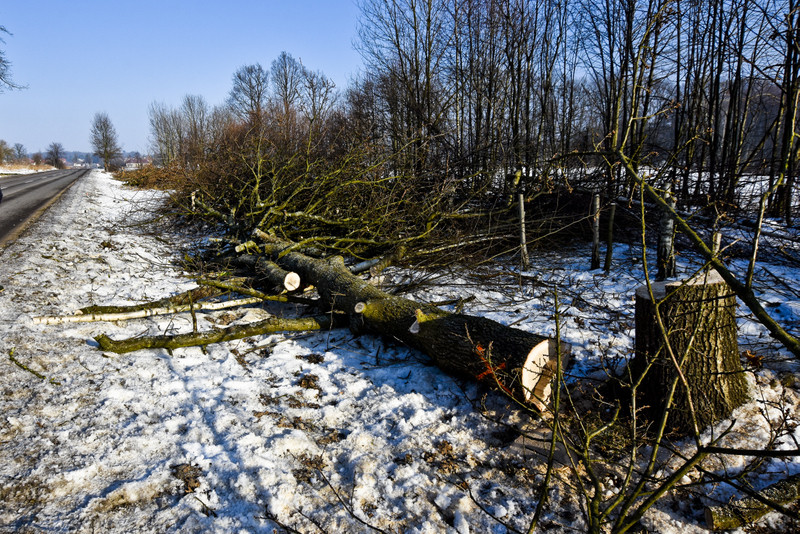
{"x":475,"y":101}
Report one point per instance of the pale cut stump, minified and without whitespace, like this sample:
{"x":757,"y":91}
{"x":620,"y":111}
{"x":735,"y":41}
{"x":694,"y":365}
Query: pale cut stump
{"x":699,"y":316}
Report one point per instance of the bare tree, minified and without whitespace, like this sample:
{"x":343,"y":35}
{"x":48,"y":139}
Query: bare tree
{"x":19,"y":152}
{"x":407,"y":42}
{"x":6,"y":152}
{"x":5,"y":66}
{"x":166,"y":129}
{"x":55,"y":155}
{"x":287,"y":75}
{"x":195,"y":113}
{"x":104,"y":139}
{"x":317,"y":96}
{"x":248,"y":96}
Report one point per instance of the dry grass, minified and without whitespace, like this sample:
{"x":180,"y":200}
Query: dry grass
{"x":17,"y":168}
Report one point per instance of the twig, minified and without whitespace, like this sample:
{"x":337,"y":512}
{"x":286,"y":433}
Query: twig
{"x":346,"y":507}
{"x":31,"y":371}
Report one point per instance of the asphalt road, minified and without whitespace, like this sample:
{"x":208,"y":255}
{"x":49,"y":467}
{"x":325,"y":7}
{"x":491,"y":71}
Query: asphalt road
{"x":26,"y":196}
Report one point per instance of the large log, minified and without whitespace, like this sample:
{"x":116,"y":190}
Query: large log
{"x":517,"y":362}
{"x":520,"y":363}
{"x":699,"y":351}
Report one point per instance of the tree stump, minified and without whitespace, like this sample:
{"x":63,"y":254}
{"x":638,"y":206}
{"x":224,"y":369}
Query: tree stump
{"x":699,"y":319}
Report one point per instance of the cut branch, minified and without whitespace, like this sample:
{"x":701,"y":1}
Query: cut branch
{"x":217,"y":335}
{"x":270,"y":273}
{"x":145,"y":312}
{"x":187,"y":297}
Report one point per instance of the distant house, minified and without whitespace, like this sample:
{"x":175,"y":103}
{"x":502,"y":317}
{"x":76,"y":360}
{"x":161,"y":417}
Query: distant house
{"x":137,"y":162}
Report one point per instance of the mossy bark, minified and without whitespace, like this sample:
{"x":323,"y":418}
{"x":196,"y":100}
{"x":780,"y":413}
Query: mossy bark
{"x":750,"y":509}
{"x":697,"y":348}
{"x":461,"y":345}
{"x":217,"y":335}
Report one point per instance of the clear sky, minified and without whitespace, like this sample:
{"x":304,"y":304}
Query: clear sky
{"x":81,"y":57}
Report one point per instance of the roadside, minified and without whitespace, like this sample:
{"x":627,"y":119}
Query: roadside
{"x":299,"y":430}
{"x":97,"y":442}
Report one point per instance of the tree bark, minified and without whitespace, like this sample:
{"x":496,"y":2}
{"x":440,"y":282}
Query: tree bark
{"x":142,"y":312}
{"x":699,"y":351}
{"x":269,"y":273}
{"x":612,"y":210}
{"x":750,"y":509}
{"x":595,"y":263}
{"x":666,"y":243}
{"x":517,"y":362}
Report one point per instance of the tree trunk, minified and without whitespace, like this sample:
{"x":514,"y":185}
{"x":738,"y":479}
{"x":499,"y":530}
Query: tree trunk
{"x":595,"y":263}
{"x":700,"y":351}
{"x":517,"y":362}
{"x":666,"y":243}
{"x":612,"y":210}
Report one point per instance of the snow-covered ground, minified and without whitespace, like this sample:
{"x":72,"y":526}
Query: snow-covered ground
{"x":320,"y":432}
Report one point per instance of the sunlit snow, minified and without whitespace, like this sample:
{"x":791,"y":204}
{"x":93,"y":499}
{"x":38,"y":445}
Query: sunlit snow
{"x":301,"y":430}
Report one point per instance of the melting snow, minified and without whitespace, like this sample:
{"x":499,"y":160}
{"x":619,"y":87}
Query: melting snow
{"x":320,"y":428}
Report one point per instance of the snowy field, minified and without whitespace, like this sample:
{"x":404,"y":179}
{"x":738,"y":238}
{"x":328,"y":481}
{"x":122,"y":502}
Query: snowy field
{"x":318,"y":432}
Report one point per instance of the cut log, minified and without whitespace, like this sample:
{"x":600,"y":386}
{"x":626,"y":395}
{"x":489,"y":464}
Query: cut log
{"x":269,"y":273}
{"x":750,"y":509}
{"x":517,"y":362}
{"x":699,"y":318}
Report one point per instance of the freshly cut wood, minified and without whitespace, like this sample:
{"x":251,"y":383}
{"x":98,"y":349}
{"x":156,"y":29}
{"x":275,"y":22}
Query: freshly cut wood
{"x":518,"y":362}
{"x":143,"y":312}
{"x":750,"y":509}
{"x":218,"y":335}
{"x":699,"y":351}
{"x":270,"y":273}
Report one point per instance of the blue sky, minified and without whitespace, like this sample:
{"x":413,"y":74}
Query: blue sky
{"x":84,"y":56}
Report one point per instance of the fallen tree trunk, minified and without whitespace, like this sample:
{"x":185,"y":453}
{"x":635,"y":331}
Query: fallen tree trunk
{"x":517,"y":362}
